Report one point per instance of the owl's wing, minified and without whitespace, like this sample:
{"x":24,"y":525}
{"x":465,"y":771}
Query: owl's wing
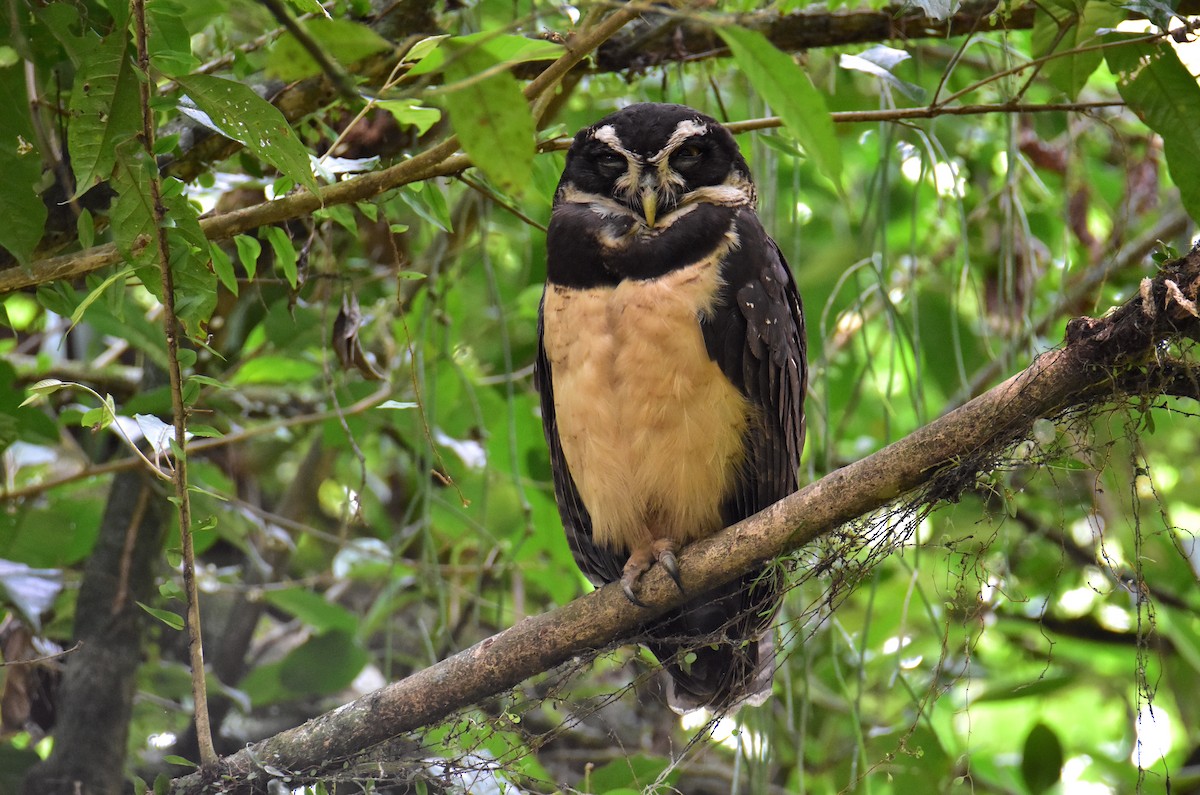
{"x":756,"y":337}
{"x":599,"y":565}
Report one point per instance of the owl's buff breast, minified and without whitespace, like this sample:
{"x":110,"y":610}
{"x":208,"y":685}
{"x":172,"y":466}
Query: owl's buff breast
{"x":651,"y":429}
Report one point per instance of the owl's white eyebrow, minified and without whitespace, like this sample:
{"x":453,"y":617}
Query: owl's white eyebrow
{"x":688,"y":128}
{"x":608,"y":135}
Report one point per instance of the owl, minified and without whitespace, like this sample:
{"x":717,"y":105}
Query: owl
{"x":672,"y":374}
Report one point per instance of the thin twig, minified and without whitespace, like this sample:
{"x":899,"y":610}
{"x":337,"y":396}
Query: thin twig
{"x":208,"y":754}
{"x":45,"y":658}
{"x":332,"y":69}
{"x":202,"y":445}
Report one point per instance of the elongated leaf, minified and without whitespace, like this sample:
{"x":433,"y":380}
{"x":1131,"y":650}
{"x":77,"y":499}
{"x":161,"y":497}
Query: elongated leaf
{"x":1080,"y":20}
{"x":223,"y":267}
{"x":238,"y":113}
{"x":1042,"y":759}
{"x":1159,"y":89}
{"x":491,"y":118}
{"x":169,"y":42}
{"x":133,"y":224}
{"x":285,"y":254}
{"x":503,"y":49}
{"x":104,"y":110}
{"x":314,"y":610}
{"x":786,"y":87}
{"x":342,"y":39}
{"x":172,"y":620}
{"x":410,"y":111}
{"x":195,"y":280}
{"x":23,"y":211}
{"x":132,"y":216}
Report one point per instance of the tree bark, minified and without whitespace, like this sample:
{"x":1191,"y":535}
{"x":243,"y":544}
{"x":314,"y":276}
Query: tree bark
{"x":91,"y":733}
{"x":1099,"y":362}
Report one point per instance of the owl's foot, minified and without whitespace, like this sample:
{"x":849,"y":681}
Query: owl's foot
{"x":661,"y":550}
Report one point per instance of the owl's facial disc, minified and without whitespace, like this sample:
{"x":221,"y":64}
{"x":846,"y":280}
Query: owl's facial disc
{"x":652,"y":182}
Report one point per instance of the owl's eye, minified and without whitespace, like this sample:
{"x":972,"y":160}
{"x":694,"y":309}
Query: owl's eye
{"x":610,"y":164}
{"x":687,"y":156}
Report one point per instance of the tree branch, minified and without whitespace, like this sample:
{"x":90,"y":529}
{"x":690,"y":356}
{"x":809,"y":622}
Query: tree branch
{"x":943,"y":458}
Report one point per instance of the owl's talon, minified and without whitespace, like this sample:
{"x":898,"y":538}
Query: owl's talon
{"x":671,"y":565}
{"x":642,"y":558}
{"x":639,"y":561}
{"x":630,"y":595}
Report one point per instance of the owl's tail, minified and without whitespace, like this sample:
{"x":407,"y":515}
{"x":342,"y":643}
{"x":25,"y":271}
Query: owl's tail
{"x":718,"y":651}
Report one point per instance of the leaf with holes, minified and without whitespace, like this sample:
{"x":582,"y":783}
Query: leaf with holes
{"x":23,"y":210}
{"x":238,"y":113}
{"x":104,"y":110}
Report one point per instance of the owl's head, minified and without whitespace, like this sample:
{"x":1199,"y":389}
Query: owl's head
{"x":654,"y":158}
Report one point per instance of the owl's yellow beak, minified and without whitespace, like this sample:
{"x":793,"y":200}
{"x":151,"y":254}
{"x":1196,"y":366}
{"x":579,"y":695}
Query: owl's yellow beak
{"x":649,"y":205}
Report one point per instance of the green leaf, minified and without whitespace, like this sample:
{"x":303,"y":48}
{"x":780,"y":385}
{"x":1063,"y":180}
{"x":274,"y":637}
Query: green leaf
{"x":104,"y":110}
{"x":85,"y":227}
{"x":309,"y":7}
{"x":276,"y":370}
{"x":238,"y":113}
{"x":172,"y":620}
{"x":195,"y":281}
{"x":132,"y":217}
{"x":314,"y":610}
{"x":427,"y":201}
{"x":786,"y":87}
{"x":249,"y":250}
{"x":1080,"y":20}
{"x":285,"y":253}
{"x":1042,"y":760}
{"x":325,"y":664}
{"x":492,"y":118}
{"x":1163,"y":94}
{"x":223,"y":267}
{"x":632,"y":773}
{"x":175,"y":759}
{"x":120,"y":275}
{"x":346,"y":41}
{"x":168,"y":39}
{"x":322,"y":665}
{"x":22,"y":209}
{"x":434,"y":52}
{"x":411,"y":112}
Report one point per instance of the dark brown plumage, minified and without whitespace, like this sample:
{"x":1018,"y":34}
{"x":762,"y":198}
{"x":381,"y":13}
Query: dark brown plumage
{"x":672,"y":374}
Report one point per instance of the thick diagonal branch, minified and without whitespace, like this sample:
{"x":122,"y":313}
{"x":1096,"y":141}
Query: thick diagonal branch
{"x":946,"y":451}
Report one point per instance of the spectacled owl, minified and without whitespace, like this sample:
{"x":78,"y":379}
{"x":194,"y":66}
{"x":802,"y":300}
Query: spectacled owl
{"x":672,"y":373}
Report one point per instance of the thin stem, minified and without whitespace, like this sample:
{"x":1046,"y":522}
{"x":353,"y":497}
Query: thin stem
{"x":342,"y":81}
{"x":208,"y":754}
{"x":203,"y":445}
